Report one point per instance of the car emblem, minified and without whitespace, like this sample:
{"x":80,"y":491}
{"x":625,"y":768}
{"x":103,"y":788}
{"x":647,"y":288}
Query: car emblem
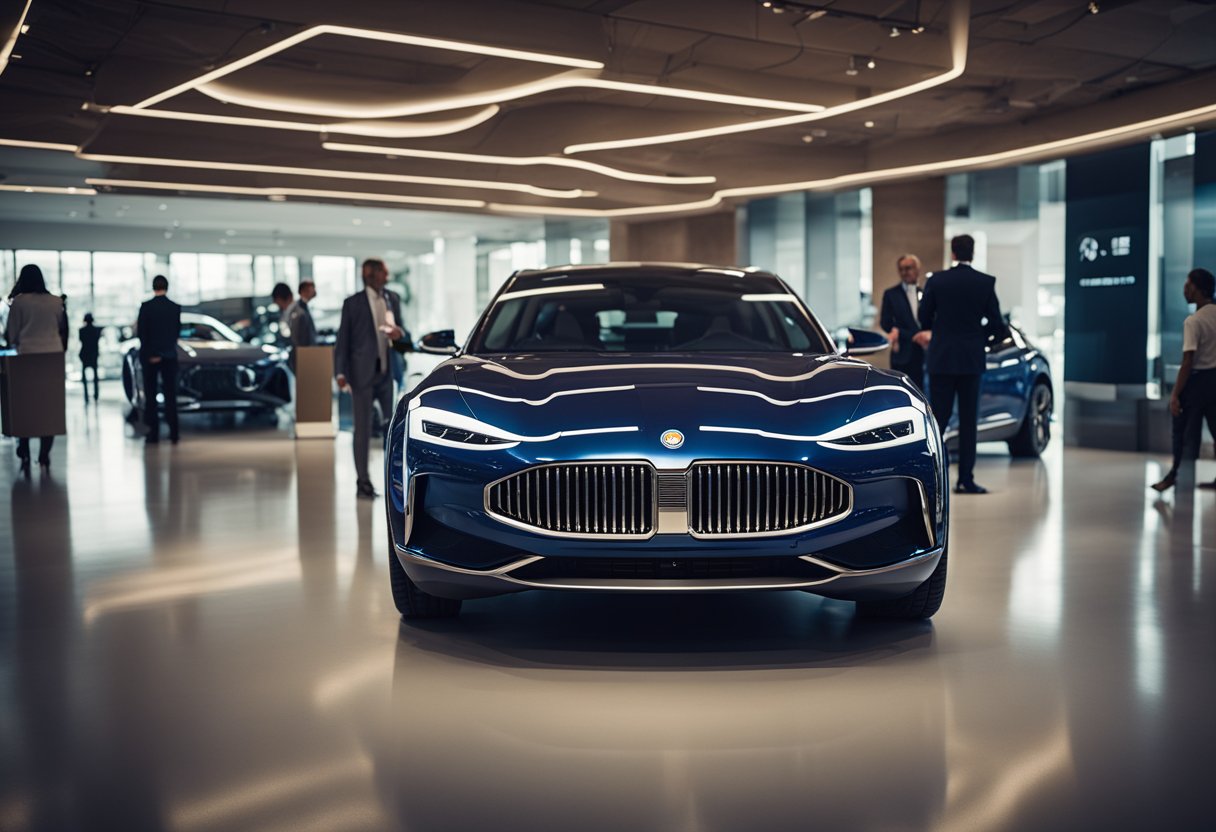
{"x":672,"y":439}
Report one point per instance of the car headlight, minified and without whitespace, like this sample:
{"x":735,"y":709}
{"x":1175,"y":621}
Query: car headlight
{"x":454,"y":434}
{"x":887,"y":433}
{"x":884,"y":429}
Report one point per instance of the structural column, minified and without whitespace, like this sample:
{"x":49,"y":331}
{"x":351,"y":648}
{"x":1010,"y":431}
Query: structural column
{"x":705,"y":238}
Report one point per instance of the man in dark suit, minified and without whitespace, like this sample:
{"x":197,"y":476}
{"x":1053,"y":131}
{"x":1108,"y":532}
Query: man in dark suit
{"x":158,"y":326}
{"x":302,"y":332}
{"x":90,"y":350}
{"x":959,"y":311}
{"x":368,"y":332}
{"x":900,"y":305}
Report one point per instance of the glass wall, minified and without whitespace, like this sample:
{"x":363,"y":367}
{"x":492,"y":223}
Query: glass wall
{"x":820,"y":244}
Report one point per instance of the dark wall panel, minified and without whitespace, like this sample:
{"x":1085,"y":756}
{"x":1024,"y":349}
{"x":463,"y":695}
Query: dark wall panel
{"x":1106,"y":267}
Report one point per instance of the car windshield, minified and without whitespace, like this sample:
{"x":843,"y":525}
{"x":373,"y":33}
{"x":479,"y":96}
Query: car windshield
{"x":206,"y":330}
{"x":648,"y":313}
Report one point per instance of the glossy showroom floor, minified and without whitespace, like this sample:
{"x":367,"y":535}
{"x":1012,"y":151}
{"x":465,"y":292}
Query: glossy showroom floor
{"x":201,"y":638}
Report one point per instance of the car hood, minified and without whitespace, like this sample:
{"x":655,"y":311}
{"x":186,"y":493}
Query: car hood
{"x":219,"y":352}
{"x":539,"y":394}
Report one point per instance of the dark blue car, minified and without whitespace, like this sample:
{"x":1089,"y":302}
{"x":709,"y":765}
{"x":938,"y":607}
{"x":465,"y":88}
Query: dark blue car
{"x":667,"y":428}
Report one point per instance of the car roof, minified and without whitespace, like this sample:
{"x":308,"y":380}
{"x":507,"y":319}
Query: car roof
{"x":607,"y":271}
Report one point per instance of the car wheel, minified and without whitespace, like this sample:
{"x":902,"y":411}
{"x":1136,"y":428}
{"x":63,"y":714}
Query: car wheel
{"x":921,"y":603}
{"x":1034,"y":435}
{"x":411,"y":601}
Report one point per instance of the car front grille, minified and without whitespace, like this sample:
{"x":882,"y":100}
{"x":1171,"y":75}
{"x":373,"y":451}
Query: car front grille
{"x":214,"y":382}
{"x":730,"y":498}
{"x":602,"y":499}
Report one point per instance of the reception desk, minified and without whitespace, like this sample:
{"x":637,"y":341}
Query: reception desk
{"x":32,"y":395}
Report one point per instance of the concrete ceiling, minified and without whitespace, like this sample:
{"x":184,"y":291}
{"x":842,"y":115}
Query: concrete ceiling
{"x":251,"y":100}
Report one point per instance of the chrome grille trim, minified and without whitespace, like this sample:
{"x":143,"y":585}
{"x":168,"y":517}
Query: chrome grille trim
{"x":609,"y":500}
{"x":762,"y":499}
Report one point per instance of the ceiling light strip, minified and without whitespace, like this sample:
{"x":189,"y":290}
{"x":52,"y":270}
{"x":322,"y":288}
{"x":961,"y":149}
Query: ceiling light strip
{"x":369,"y":34}
{"x":958,"y":33}
{"x":70,"y":148}
{"x":380,"y":131}
{"x":10,"y":42}
{"x":285,"y":192}
{"x":520,"y":161}
{"x":1045,"y":149}
{"x":573,"y":79}
{"x":70,"y":190}
{"x":364,"y":176}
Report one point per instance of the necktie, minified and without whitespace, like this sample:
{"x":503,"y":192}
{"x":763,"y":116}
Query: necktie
{"x":910,"y":289}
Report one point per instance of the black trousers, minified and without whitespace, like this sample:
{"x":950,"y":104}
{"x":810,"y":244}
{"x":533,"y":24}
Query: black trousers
{"x":363,"y":399}
{"x":44,"y":449}
{"x":166,"y":371}
{"x":943,"y":389}
{"x":84,"y":377}
{"x":1198,"y":404}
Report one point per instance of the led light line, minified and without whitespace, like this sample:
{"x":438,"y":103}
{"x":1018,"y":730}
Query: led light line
{"x":49,"y":189}
{"x":285,"y":192}
{"x":369,"y":34}
{"x":520,"y":161}
{"x":573,"y":79}
{"x":371,"y":129}
{"x":959,"y":21}
{"x":873,"y":176}
{"x":336,"y":174}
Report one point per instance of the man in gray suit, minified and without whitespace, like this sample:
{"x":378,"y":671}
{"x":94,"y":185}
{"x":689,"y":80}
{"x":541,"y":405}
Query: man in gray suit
{"x":301,"y":330}
{"x":369,"y":329}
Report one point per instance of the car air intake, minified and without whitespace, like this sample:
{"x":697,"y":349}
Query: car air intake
{"x":594,"y":499}
{"x":732,"y":498}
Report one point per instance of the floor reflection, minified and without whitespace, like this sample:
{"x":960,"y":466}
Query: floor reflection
{"x":201,"y":637}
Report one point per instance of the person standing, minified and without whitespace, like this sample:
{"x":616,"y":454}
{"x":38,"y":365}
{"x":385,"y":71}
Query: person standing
{"x":90,"y":349}
{"x":1194,"y":396}
{"x":37,"y":323}
{"x":958,"y":312}
{"x":366,"y":333}
{"x":280,"y":295}
{"x":158,"y":326}
{"x":900,"y":305}
{"x":302,"y":332}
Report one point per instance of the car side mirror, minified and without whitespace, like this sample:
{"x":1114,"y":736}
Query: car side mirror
{"x":862,"y":342}
{"x":441,"y":342}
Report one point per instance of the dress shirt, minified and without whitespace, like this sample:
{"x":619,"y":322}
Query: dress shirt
{"x":375,"y":300}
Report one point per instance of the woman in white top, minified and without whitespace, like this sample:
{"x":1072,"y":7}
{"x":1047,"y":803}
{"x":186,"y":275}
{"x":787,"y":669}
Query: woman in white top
{"x":37,"y":323}
{"x":1194,"y":396}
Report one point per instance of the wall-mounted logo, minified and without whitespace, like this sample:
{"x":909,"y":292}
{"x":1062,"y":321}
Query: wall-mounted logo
{"x":672,"y":439}
{"x":1089,"y":249}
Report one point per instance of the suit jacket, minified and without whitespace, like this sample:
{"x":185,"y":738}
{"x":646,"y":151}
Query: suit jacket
{"x":300,"y":327}
{"x":37,"y":323}
{"x":357,"y":349}
{"x":90,"y":344}
{"x":158,"y":326}
{"x":954,"y":306}
{"x":897,"y":312}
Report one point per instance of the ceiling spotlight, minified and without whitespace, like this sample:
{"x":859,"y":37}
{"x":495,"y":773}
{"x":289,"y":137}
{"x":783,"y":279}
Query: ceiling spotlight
{"x":25,"y":28}
{"x":871,"y":63}
{"x":869,"y":124}
{"x":815,"y":14}
{"x":1094,"y":8}
{"x":894,"y":32}
{"x":852,"y":69}
{"x":918,"y":30}
{"x":808,"y":138}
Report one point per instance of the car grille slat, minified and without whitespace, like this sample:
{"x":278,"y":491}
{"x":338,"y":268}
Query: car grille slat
{"x":761,"y":498}
{"x":599,"y":499}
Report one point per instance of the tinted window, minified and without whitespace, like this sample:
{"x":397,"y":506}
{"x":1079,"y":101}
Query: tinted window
{"x":648,"y":313}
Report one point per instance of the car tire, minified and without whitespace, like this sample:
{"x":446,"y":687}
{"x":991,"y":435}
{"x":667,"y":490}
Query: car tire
{"x":128,"y":387}
{"x":1034,"y":435}
{"x":411,"y":601}
{"x":920,"y":604}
